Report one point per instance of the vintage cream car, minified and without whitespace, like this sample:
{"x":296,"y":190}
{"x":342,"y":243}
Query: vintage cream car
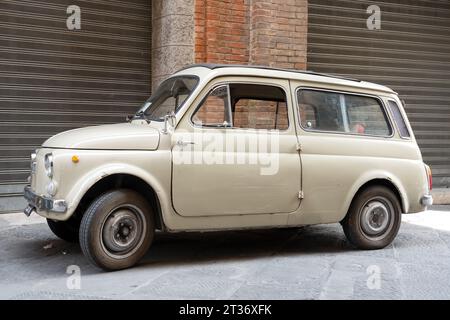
{"x":221,"y":147}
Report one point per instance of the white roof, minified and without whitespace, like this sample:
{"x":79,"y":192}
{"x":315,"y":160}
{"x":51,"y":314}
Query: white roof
{"x":214,"y":70}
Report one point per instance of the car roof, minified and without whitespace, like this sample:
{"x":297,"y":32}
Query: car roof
{"x":291,"y":74}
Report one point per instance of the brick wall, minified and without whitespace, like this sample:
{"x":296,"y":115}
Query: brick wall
{"x":258,"y":32}
{"x":222,"y":31}
{"x":263,"y":32}
{"x":279,"y":33}
{"x":255,"y":114}
{"x":261,"y":115}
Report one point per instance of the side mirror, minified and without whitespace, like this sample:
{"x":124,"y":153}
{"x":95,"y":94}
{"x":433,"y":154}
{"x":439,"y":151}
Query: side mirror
{"x":170,"y":120}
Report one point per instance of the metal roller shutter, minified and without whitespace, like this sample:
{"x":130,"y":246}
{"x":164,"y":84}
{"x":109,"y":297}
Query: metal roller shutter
{"x":53,"y":79}
{"x":410,"y":53}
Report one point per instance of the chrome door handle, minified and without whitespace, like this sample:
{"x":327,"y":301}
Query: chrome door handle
{"x":182,"y":144}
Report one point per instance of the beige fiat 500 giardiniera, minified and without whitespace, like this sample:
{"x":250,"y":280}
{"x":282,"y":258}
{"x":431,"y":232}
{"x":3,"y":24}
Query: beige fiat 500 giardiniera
{"x":234,"y":147}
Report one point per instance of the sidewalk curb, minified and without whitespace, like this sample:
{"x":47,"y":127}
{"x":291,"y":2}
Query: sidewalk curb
{"x":441,"y":196}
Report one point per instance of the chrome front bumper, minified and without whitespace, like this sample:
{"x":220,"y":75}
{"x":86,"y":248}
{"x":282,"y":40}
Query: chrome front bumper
{"x":42,"y":203}
{"x":427,"y":200}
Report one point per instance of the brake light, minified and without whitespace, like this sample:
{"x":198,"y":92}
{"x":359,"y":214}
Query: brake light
{"x":429,"y":177}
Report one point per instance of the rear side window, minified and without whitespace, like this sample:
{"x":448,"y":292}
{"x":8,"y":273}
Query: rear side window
{"x":399,"y":120}
{"x":340,"y":112}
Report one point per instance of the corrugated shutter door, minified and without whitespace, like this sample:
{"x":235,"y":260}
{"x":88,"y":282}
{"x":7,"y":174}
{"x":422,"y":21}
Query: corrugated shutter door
{"x":411,"y":54}
{"x":53,"y":79}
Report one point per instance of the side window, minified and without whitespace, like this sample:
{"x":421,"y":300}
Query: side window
{"x":320,"y":110}
{"x":214,"y":111}
{"x":259,"y":107}
{"x":308,"y":116}
{"x":244,"y":106}
{"x":366,"y":116}
{"x":399,"y":120}
{"x":339,"y":112}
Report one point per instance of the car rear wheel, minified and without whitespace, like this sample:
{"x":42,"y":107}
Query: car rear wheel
{"x":117,"y":230}
{"x":65,"y":230}
{"x":373,"y":219}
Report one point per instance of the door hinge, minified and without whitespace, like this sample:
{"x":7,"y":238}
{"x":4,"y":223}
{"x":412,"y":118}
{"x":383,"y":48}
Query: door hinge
{"x":299,"y":147}
{"x":301,"y":195}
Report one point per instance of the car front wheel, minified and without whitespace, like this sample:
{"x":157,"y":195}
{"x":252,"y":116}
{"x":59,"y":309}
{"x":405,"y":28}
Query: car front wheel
{"x":117,"y":229}
{"x":373,"y":219}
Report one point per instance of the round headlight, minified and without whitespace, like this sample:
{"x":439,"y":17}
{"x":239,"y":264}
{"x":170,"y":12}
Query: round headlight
{"x":48,"y":162}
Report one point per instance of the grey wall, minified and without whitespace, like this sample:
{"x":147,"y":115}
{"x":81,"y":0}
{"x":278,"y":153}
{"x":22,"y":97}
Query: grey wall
{"x":173,"y":37}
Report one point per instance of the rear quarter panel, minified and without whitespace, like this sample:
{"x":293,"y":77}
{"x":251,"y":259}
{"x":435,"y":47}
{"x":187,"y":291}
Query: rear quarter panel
{"x":335,"y":166}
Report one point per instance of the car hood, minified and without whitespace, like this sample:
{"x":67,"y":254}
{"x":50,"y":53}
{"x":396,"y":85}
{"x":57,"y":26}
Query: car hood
{"x":122,"y":136}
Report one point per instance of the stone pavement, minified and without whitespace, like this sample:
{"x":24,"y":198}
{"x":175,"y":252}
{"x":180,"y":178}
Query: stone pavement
{"x":313,"y":262}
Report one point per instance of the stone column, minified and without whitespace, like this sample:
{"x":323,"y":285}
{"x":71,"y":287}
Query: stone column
{"x":172,"y":37}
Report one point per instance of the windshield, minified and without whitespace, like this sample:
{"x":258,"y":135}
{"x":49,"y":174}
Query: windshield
{"x":169,"y":97}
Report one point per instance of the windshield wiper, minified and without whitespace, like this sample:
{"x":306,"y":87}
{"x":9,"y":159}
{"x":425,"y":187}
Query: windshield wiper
{"x":139,"y":115}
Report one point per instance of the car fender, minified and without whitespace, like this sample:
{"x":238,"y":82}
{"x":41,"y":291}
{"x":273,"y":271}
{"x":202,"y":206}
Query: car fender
{"x":373,"y":175}
{"x":86,"y":181}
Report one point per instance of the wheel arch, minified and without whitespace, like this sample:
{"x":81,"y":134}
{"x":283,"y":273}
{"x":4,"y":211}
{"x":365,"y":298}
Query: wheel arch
{"x":116,"y":180}
{"x":389,"y":182}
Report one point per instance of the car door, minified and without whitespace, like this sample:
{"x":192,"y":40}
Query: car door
{"x":234,"y":151}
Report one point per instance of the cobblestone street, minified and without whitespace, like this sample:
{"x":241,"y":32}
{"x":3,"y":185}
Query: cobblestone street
{"x":309,"y":263}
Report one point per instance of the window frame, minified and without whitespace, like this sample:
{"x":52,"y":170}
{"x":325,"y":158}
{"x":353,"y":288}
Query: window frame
{"x":203,"y":100}
{"x":403,"y":119}
{"x":380,"y":101}
{"x":228,"y":83}
{"x":180,"y":107}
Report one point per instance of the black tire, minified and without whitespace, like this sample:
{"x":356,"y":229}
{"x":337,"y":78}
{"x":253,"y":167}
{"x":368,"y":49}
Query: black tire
{"x":107,"y":225}
{"x":373,"y":219}
{"x":65,"y":230}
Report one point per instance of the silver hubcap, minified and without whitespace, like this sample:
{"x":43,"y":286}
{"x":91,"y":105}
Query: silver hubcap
{"x":376,"y":217}
{"x":123,"y":230}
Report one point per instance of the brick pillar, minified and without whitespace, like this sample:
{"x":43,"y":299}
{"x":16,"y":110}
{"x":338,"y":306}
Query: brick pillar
{"x":278,"y":33}
{"x":222,"y":31}
{"x":263,"y":32}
